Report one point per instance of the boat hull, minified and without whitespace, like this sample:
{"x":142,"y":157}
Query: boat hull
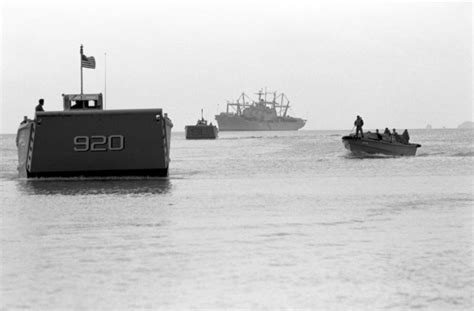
{"x":371,"y":146}
{"x":132,"y":142}
{"x":201,"y":132}
{"x":232,"y":122}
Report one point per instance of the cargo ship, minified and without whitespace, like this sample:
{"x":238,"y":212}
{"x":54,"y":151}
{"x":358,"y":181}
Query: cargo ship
{"x":268,"y":113}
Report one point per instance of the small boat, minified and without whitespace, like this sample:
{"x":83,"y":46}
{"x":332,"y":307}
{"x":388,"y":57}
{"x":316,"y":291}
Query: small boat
{"x":373,"y":143}
{"x":201,"y":130}
{"x":86,"y":140}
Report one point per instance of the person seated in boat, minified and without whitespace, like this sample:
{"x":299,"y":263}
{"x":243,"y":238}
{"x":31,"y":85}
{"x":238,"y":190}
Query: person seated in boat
{"x":358,"y":123}
{"x":39,"y":107}
{"x":379,"y":136}
{"x":387,"y":131}
{"x":405,"y":137}
{"x":395,"y":136}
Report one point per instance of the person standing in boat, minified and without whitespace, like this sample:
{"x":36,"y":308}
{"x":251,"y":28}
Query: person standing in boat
{"x":39,"y":107}
{"x":405,"y":137}
{"x":358,"y":123}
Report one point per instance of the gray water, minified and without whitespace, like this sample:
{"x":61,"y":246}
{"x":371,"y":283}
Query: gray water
{"x":251,"y":221}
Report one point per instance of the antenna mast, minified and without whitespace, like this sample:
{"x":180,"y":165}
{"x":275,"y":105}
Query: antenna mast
{"x":80,"y":64}
{"x":105,"y":80}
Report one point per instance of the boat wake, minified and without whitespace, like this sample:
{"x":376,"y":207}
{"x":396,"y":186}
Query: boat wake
{"x":91,"y":178}
{"x":362,"y":155}
{"x":98,"y":186}
{"x":447,"y":154}
{"x":464,"y":154}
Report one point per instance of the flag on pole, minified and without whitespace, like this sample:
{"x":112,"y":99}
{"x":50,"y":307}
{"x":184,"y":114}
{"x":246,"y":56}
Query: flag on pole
{"x":87,"y":62}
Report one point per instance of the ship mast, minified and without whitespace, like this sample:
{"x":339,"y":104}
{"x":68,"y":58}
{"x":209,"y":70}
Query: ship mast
{"x":80,"y":63}
{"x":240,"y":104}
{"x":280,"y":103}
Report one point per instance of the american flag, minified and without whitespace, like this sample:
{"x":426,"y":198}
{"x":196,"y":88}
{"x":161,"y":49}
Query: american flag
{"x":88,"y":62}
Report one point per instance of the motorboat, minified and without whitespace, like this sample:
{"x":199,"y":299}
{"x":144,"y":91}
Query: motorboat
{"x":374,"y":143}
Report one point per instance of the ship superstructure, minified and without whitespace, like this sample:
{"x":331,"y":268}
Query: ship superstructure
{"x":268,"y":113}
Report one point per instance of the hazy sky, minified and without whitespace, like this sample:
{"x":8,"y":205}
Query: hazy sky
{"x":397,"y":64}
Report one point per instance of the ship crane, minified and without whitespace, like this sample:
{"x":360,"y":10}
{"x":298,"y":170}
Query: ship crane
{"x":240,"y":104}
{"x":267,"y":113}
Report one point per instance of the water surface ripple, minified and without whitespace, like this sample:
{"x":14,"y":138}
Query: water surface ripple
{"x":248,"y":221}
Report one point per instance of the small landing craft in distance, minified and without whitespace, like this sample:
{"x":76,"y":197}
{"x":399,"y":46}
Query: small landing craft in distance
{"x":265,"y":114}
{"x":86,"y":140}
{"x":201,"y":130}
{"x":375,"y":143}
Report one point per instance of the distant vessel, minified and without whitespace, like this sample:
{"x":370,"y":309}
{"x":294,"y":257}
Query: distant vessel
{"x":201,"y":130}
{"x":85,"y":140}
{"x":246,"y":114}
{"x":466,"y":125}
{"x":371,"y":143}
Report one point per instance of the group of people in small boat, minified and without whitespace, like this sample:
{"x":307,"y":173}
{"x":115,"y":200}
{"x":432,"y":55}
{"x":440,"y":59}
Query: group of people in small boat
{"x":386,"y":136}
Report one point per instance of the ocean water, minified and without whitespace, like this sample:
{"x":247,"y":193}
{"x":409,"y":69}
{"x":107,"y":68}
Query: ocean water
{"x":252,"y":220}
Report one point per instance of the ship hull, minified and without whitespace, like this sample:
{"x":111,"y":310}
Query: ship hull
{"x":370,"y":146}
{"x":200,"y":132}
{"x":237,"y":123}
{"x":95,"y":143}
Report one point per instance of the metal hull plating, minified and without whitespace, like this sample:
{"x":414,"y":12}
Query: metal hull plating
{"x":370,"y":146}
{"x":201,"y":131}
{"x":95,"y":143}
{"x":232,"y":122}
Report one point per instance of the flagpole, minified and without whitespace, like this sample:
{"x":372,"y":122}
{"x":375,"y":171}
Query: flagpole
{"x":105,"y":80}
{"x":81,"y":68}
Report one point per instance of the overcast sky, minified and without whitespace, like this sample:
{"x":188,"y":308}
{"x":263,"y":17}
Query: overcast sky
{"x":397,"y":64}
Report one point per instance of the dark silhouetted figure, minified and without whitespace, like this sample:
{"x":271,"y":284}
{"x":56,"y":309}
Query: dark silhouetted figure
{"x":405,"y":137}
{"x":358,"y":123}
{"x":39,"y":107}
{"x":387,"y":131}
{"x":25,"y":120}
{"x":395,"y":136}
{"x":379,"y":136}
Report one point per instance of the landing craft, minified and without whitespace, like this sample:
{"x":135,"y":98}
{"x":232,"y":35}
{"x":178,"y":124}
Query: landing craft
{"x":202,"y":130}
{"x":86,"y":140}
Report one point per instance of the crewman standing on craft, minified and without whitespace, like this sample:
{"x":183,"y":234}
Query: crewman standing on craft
{"x":358,"y":123}
{"x":39,"y":107}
